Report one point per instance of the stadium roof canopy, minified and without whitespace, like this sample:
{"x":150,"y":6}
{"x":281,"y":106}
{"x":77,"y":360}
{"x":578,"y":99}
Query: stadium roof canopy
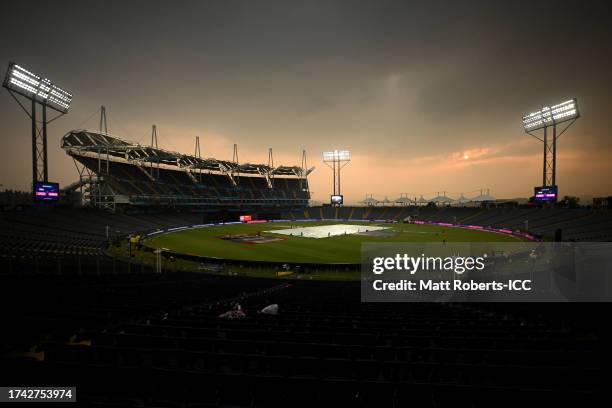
{"x":483,"y":198}
{"x":85,"y":142}
{"x":422,"y":200}
{"x":441,"y":199}
{"x":405,"y":201}
{"x":370,"y":201}
{"x":462,"y":199}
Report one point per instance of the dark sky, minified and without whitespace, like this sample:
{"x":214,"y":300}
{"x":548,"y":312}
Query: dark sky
{"x":428,"y":96}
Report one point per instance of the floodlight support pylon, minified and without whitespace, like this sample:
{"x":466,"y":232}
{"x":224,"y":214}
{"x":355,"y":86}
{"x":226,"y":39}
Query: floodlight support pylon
{"x":34,"y":145}
{"x":545,"y":140}
{"x":304,"y":171}
{"x":40,"y":167}
{"x":554,"y":157}
{"x":549,"y":162}
{"x":44,"y":143}
{"x":337,"y":165}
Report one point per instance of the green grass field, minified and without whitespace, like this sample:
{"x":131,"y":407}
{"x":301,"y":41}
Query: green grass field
{"x":339,"y":249}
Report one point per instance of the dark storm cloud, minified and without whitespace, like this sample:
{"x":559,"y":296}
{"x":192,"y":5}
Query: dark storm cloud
{"x":316,"y":104}
{"x":540,"y":52}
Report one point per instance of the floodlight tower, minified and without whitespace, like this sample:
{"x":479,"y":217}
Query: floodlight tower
{"x":20,"y":81}
{"x":303,"y":172}
{"x":337,"y":160}
{"x":551,"y":116}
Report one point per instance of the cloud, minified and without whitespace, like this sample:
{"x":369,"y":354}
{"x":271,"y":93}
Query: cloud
{"x":409,"y":88}
{"x":315,"y":105}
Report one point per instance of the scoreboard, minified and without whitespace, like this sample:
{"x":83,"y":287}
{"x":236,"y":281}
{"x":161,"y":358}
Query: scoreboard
{"x":545,"y":194}
{"x":45,"y":191}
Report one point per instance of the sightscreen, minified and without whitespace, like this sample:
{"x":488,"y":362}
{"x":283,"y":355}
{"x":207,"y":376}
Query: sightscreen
{"x":45,"y":191}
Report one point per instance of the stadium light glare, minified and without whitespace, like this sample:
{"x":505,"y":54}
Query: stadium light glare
{"x":33,"y":87}
{"x":336,"y":155}
{"x":550,"y":115}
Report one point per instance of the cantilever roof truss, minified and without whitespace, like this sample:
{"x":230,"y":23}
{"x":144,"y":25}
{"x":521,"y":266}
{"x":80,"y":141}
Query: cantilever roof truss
{"x":78,"y":141}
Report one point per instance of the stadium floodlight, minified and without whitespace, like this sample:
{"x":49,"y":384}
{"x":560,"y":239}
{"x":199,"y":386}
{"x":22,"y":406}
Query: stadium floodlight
{"x":41,"y":91}
{"x":551,"y":116}
{"x":33,"y":87}
{"x":336,"y":160}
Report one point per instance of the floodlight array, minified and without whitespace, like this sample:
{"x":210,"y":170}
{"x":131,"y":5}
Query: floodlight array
{"x":337,"y":155}
{"x":39,"y":89}
{"x":550,"y":115}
